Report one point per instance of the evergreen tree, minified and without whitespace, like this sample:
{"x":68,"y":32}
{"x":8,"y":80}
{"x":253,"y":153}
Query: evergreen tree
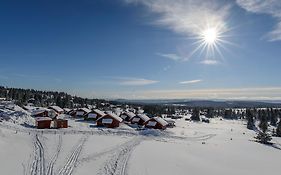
{"x":278,"y":130}
{"x":250,"y":119}
{"x":210,"y":113}
{"x":263,"y":136}
{"x":273,"y":117}
{"x":195,"y":114}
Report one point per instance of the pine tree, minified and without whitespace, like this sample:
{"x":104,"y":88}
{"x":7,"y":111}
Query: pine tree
{"x":195,"y":114}
{"x":210,"y":113}
{"x":263,"y":136}
{"x":273,"y":117}
{"x":250,"y":118}
{"x":278,"y":129}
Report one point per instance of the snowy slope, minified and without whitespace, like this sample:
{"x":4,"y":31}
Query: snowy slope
{"x":221,"y":147}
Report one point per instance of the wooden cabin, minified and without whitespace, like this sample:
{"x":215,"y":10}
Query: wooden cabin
{"x":40,"y":112}
{"x":60,"y":123}
{"x":109,"y":121}
{"x":57,"y":109}
{"x":72,"y":112}
{"x":43,"y":122}
{"x":94,"y":115}
{"x":81,"y":112}
{"x":127,"y":116}
{"x":156,"y":123}
{"x":140,"y":119}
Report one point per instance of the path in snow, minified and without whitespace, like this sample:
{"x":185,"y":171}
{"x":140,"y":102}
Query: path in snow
{"x":38,"y":164}
{"x":117,"y":163}
{"x":52,"y":162}
{"x":73,"y":158}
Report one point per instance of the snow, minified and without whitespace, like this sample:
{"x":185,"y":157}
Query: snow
{"x":216,"y":148}
{"x":143,"y":117}
{"x":42,"y":119}
{"x":99,"y":112}
{"x":112,"y":115}
{"x":161,"y":121}
{"x":86,"y":110}
{"x":57,"y":109}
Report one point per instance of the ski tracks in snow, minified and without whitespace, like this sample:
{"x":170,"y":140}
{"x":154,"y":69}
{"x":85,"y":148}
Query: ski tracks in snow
{"x":73,"y":158}
{"x":38,"y":165}
{"x":50,"y":170}
{"x":117,"y":164}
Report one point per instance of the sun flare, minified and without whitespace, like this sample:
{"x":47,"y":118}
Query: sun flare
{"x":210,"y":35}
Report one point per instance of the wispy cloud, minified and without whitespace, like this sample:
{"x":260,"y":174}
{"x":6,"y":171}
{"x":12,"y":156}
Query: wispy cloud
{"x":270,"y":7}
{"x":127,"y":81}
{"x":190,"y":82}
{"x":209,"y":62}
{"x":187,"y":17}
{"x":172,"y":56}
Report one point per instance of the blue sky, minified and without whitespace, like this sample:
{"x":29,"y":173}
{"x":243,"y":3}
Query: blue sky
{"x":143,"y":49}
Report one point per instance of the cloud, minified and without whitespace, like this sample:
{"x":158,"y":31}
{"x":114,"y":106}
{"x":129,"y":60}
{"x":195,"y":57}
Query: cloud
{"x":190,"y":82}
{"x":209,"y":62}
{"x":187,"y":17}
{"x":135,"y":81}
{"x":270,"y":7}
{"x":256,"y":93}
{"x":172,"y":56}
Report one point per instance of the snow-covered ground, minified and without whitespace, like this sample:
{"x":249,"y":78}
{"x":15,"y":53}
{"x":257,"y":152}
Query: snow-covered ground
{"x":219,"y":148}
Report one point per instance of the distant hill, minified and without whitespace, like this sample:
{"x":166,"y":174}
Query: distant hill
{"x":207,"y":103}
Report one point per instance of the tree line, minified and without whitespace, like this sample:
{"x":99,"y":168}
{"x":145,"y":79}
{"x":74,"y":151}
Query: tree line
{"x":46,"y":98}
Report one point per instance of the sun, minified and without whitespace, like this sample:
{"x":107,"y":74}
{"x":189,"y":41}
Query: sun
{"x":210,"y":39}
{"x":210,"y":36}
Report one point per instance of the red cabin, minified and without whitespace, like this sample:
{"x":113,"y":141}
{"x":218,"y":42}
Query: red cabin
{"x":109,"y":121}
{"x":43,"y":122}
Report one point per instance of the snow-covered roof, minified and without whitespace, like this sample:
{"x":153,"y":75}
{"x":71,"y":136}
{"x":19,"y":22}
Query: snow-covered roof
{"x":38,"y":111}
{"x":57,"y":108}
{"x":85,"y":110}
{"x":66,"y":109}
{"x":129,"y":114}
{"x":42,"y":119}
{"x":169,"y":120}
{"x":113,"y":116}
{"x":143,"y":117}
{"x":161,"y":121}
{"x":99,"y":112}
{"x":29,"y":108}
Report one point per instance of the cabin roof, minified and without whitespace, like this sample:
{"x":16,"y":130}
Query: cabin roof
{"x":57,"y":108}
{"x":113,"y":116}
{"x":99,"y":112}
{"x":143,"y":117}
{"x":160,"y":120}
{"x":42,"y":119}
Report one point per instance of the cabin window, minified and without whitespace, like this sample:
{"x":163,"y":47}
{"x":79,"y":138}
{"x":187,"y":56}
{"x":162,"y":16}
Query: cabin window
{"x":107,"y":121}
{"x":136,"y":119}
{"x":80,"y":113}
{"x":151,"y":123}
{"x":92,"y":115}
